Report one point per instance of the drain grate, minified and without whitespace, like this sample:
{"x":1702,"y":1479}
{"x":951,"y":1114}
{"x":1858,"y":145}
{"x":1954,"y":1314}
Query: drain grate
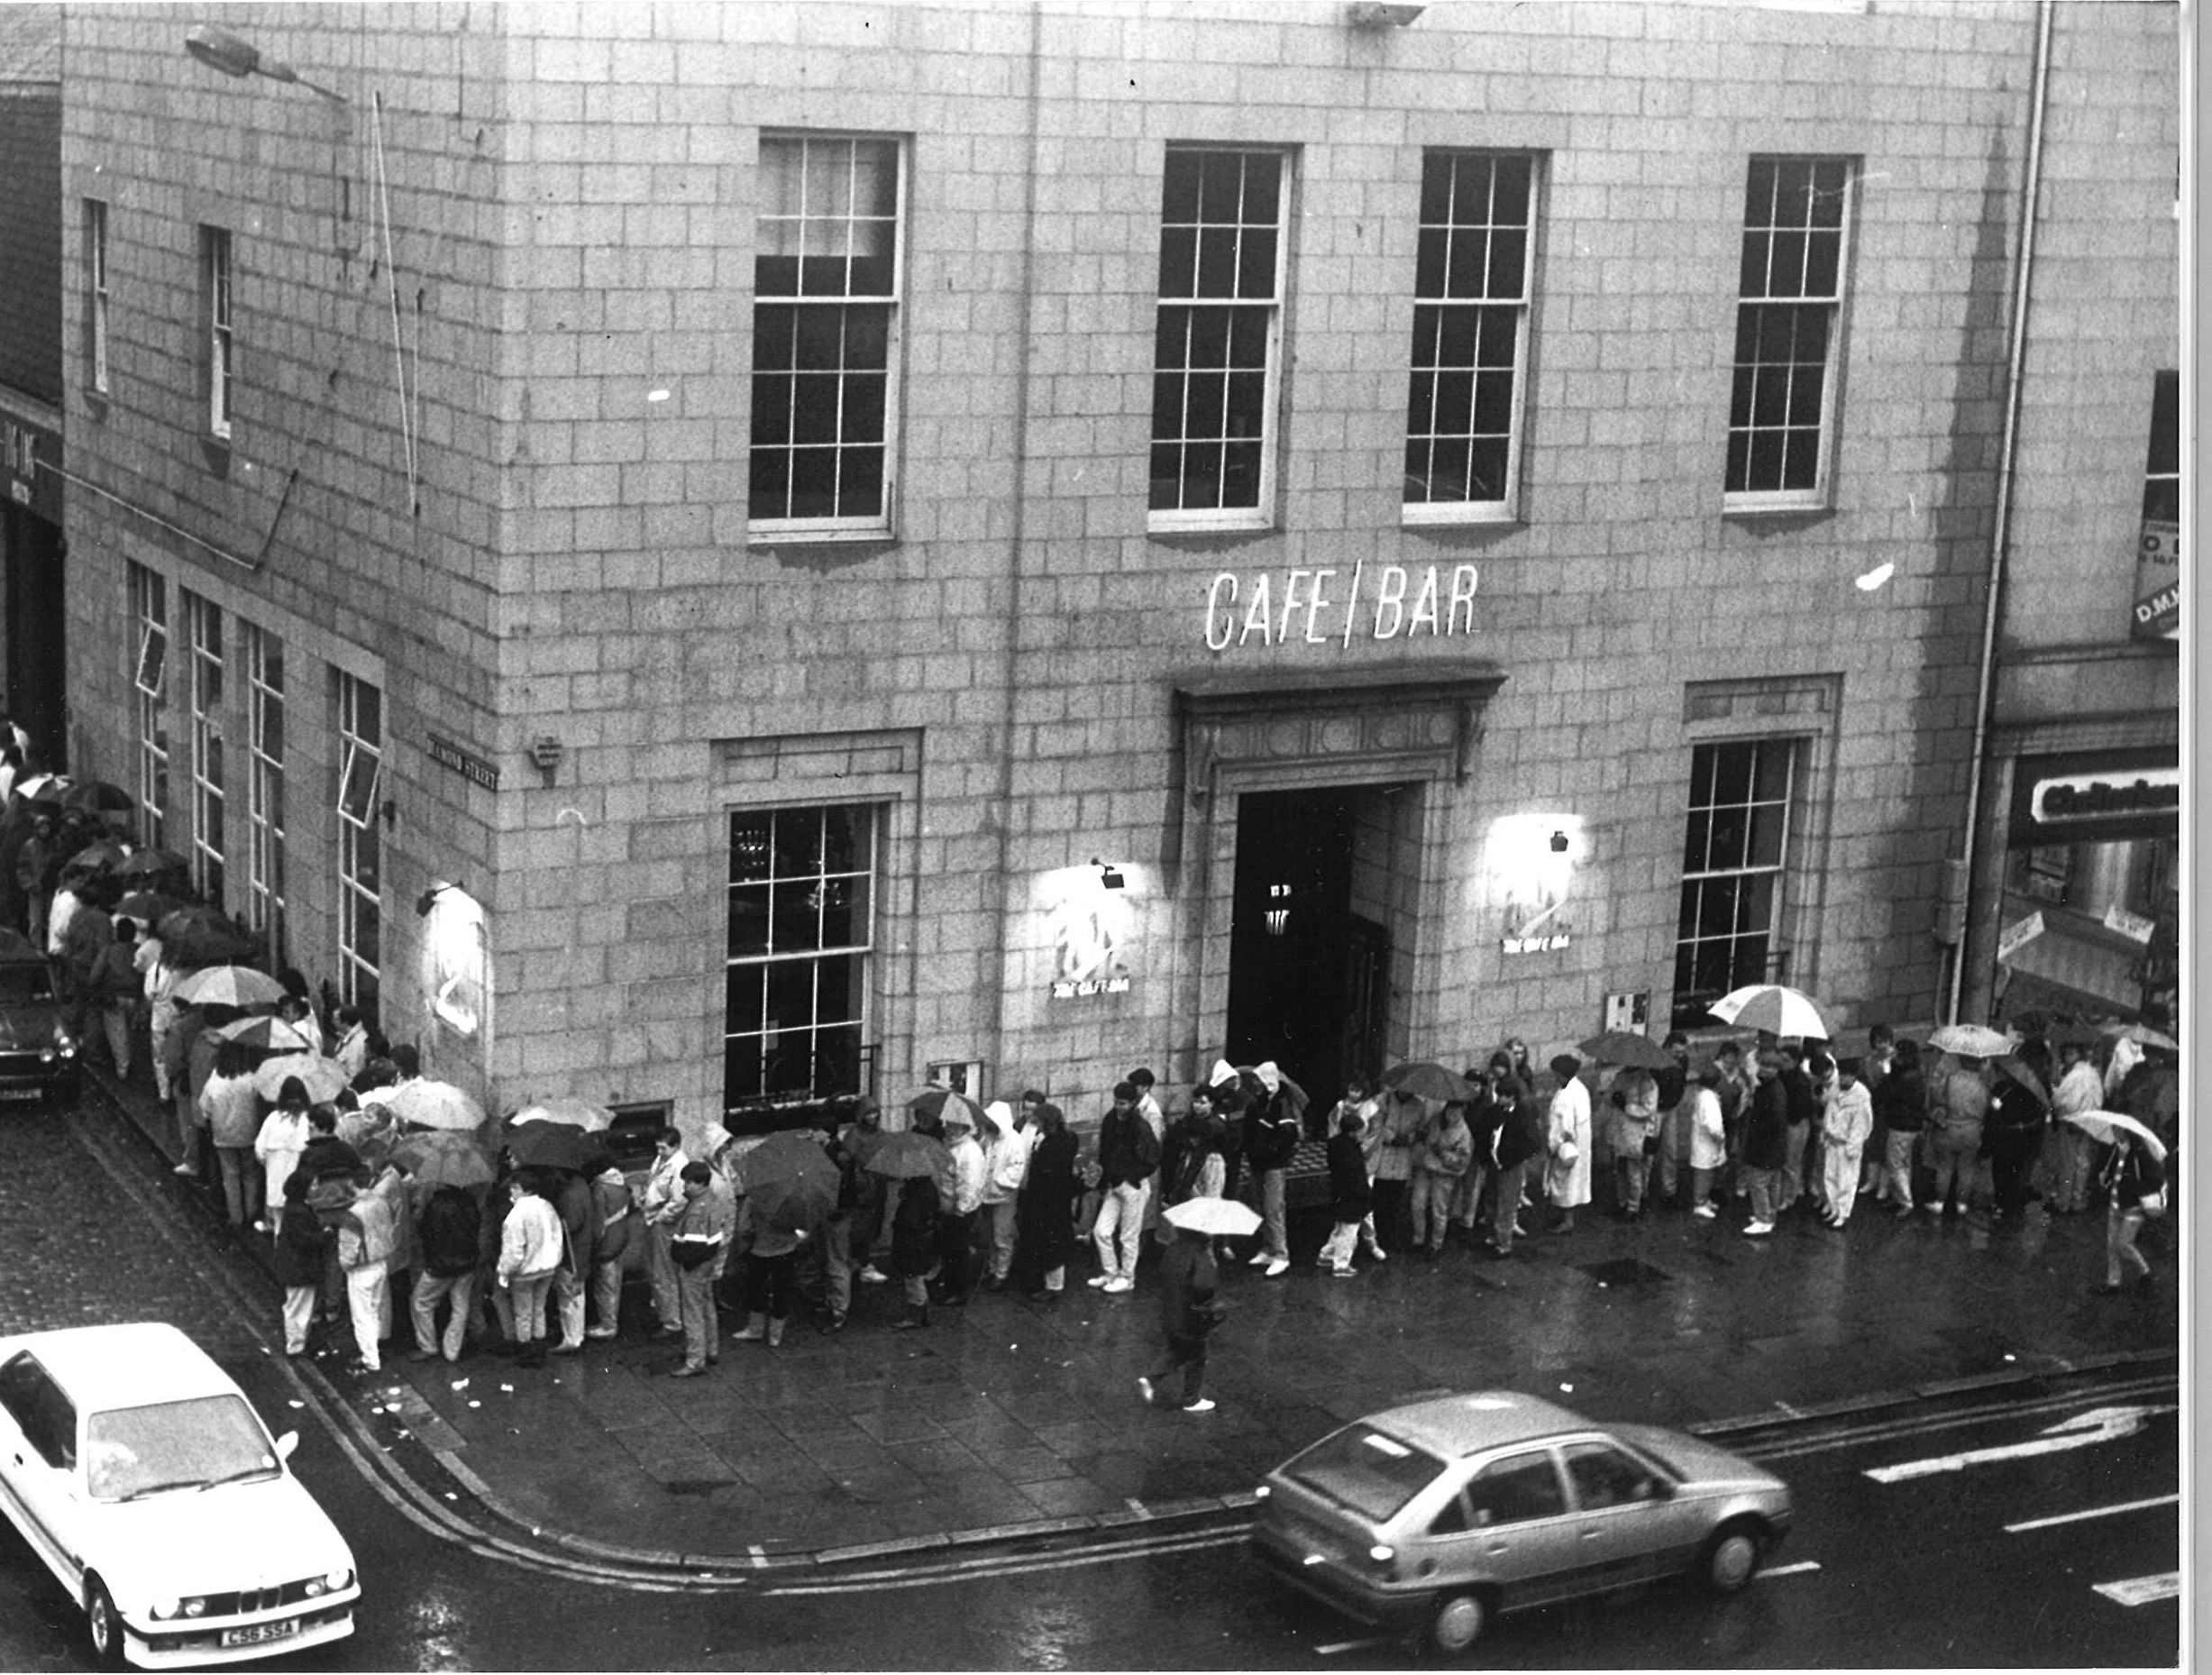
{"x":1628,"y":1271}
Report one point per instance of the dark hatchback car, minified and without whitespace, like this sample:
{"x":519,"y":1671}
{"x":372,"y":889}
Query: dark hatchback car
{"x":38,"y":1056}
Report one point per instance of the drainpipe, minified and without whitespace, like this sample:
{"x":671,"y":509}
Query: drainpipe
{"x":1999,"y":535}
{"x":1001,"y":888}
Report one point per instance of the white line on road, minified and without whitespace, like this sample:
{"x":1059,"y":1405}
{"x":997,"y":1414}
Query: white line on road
{"x":2140,"y":1591}
{"x":2100,"y":1424}
{"x":2094,"y":1512}
{"x":1799,"y":1569}
{"x":1347,"y":1645}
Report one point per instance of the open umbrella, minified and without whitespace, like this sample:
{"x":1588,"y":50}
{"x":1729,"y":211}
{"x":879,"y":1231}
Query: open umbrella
{"x":1771,"y":1007}
{"x":151,"y":863}
{"x":2143,"y":1035}
{"x":263,"y":1035}
{"x":790,"y":1180}
{"x":97,"y":796}
{"x":229,"y":985}
{"x":444,"y":1159}
{"x":2026,"y":1078}
{"x":575,"y":1113}
{"x":1221,"y":1218}
{"x":907,"y":1157}
{"x":324,"y":1078}
{"x":1970,"y":1041}
{"x":427,"y":1104}
{"x":946,"y":1106}
{"x":202,"y":936}
{"x":1429,"y":1080}
{"x":2109,"y":1125}
{"x":147,"y":906}
{"x":2073,"y":1033}
{"x":93,"y":857}
{"x":1625,"y":1047}
{"x":549,"y":1146}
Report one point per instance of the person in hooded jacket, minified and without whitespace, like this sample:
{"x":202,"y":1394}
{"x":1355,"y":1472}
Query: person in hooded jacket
{"x":1446,"y":1150}
{"x":1048,"y":1235}
{"x":617,"y":1220}
{"x":1390,"y":1159}
{"x":301,"y":1254}
{"x":1350,"y":1194}
{"x":368,"y":1234}
{"x":1006,"y":1166}
{"x":578,"y":1208}
{"x":1901,"y":1109}
{"x":1631,"y":1132}
{"x":1272,"y":1124}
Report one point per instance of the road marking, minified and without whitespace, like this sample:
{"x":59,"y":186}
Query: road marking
{"x":1008,"y":1564}
{"x":1799,"y":1569}
{"x":2142,"y":1590}
{"x":2099,"y":1424}
{"x":2094,"y":1512}
{"x":1833,"y":1441}
{"x":1348,"y":1646}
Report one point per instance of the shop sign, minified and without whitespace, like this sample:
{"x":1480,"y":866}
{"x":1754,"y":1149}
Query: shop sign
{"x":2158,"y":583}
{"x":2018,"y":935}
{"x":1069,"y":988}
{"x":1325,"y":606}
{"x":2095,"y":797}
{"x":2132,"y":926}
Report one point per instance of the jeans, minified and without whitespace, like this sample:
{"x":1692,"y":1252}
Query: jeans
{"x":369,"y":1295}
{"x":1273,"y":1234}
{"x":1628,"y":1170}
{"x":702,"y":1330}
{"x":1344,"y":1238}
{"x":956,"y":1262}
{"x":115,"y":1024}
{"x":526,"y":1297}
{"x":1002,"y":1218}
{"x":457,"y":1290}
{"x":1121,"y":1230}
{"x":835,"y":1253}
{"x":661,"y":1269}
{"x":2071,"y":1189}
{"x":1429,"y":1201}
{"x":1955,"y":1163}
{"x":1766,"y":1189}
{"x":607,"y":1292}
{"x":1897,"y":1166}
{"x":568,"y":1301}
{"x":1793,"y":1164}
{"x":1506,"y":1210}
{"x":241,"y":1182}
{"x":1187,"y":1355}
{"x":2121,"y":1226}
{"x":298,"y":1316}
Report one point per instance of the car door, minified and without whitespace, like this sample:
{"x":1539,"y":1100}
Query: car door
{"x":1620,"y":1504}
{"x":1514,"y":1529}
{"x":38,"y":1464}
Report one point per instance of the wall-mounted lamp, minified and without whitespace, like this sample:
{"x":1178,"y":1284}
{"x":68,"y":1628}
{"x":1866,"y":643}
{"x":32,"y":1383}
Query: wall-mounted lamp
{"x":218,"y":49}
{"x":1559,"y":842}
{"x":1109,"y":877}
{"x":1373,"y":15}
{"x":546,"y":752}
{"x":429,"y":898}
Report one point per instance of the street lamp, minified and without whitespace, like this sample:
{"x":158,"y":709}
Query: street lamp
{"x":221,"y":49}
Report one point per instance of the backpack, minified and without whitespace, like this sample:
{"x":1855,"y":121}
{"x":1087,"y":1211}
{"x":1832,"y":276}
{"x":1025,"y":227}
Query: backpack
{"x":447,"y":1240}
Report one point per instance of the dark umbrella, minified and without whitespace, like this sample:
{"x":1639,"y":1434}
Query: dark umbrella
{"x":549,"y":1146}
{"x":946,"y":1105}
{"x":444,"y":1159}
{"x":201,"y":936}
{"x":146,"y":906}
{"x":790,"y":1180}
{"x":97,"y":796}
{"x":151,"y":864}
{"x":95,"y":857}
{"x":2026,"y":1078}
{"x":2074,"y":1034}
{"x":1427,"y":1080}
{"x":908,"y":1157}
{"x":1625,"y":1047}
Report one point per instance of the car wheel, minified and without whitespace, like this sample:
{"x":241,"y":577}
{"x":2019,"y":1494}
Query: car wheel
{"x":1457,"y":1623}
{"x":102,"y":1624}
{"x":1731,"y":1557}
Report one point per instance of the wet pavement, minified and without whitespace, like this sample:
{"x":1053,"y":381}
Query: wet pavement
{"x":1009,"y":1418}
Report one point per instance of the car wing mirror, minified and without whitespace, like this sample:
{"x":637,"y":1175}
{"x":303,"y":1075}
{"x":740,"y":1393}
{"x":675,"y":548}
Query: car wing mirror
{"x":287,"y":1445}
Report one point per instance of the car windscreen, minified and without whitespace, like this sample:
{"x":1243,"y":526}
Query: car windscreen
{"x":191,"y":1444}
{"x":25,"y":985}
{"x":1361,"y":1469}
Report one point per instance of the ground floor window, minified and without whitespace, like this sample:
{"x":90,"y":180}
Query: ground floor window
{"x":801,"y":936}
{"x":1734,"y":858}
{"x":150,"y":711}
{"x":265,"y":786}
{"x":204,"y":682}
{"x":360,"y":853}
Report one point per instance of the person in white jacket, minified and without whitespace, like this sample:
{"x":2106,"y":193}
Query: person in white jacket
{"x":530,"y":1247}
{"x":1566,"y":1144}
{"x":283,"y":1137}
{"x":1006,"y":1166}
{"x":368,"y":1234}
{"x":1847,"y":1119}
{"x":1708,"y":1140}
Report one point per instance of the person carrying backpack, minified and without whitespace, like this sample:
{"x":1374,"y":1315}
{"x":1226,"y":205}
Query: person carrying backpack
{"x":448,"y":1236}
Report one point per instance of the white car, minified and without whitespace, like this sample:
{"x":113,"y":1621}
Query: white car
{"x":140,"y":1474}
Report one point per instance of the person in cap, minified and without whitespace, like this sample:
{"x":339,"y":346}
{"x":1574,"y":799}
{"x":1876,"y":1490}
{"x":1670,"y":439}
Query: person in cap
{"x":1567,"y":1139}
{"x":1846,"y":1123}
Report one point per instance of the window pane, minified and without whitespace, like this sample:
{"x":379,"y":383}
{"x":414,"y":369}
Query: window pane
{"x":1515,"y":1491}
{"x":748,"y":920}
{"x":743,"y":999}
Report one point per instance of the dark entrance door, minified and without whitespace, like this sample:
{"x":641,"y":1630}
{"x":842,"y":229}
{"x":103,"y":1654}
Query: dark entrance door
{"x":31,"y":603}
{"x":1294,"y":947}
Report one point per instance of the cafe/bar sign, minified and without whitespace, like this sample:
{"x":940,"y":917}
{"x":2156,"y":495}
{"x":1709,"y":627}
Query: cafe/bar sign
{"x":2157,"y":614}
{"x":474,"y":768}
{"x":1323,"y":607}
{"x":2095,"y":797}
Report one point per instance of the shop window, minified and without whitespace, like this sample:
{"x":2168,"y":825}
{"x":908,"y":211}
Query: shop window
{"x":825,"y":320}
{"x":1781,"y":421}
{"x":1470,"y":334}
{"x":1217,"y":338}
{"x":1734,"y":856}
{"x":2162,"y":476}
{"x":801,"y":930}
{"x":265,"y":782}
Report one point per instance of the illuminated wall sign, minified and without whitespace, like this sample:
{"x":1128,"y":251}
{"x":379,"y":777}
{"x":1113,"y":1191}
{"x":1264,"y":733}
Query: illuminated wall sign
{"x":1532,"y":865}
{"x":2158,"y":583}
{"x":2095,"y":797}
{"x":1321,"y":607}
{"x":1090,"y":928}
{"x":456,"y":960}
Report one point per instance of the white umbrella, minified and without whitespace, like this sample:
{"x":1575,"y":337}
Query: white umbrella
{"x":1971,"y":1040}
{"x":229,"y":985}
{"x":2109,"y":1125}
{"x":575,"y":1113}
{"x":324,"y":1078}
{"x":426,"y":1105}
{"x":2143,"y":1035}
{"x":263,"y":1035}
{"x":1771,"y":1007}
{"x":1220,"y":1218}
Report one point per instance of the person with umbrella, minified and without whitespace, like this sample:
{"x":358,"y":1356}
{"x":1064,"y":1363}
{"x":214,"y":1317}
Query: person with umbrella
{"x":1567,"y":1168}
{"x":1006,"y":1161}
{"x":956,"y":1222}
{"x":1189,"y":1310}
{"x":2079,"y":1089}
{"x":1901,"y":1108}
{"x":1632,"y":1135}
{"x":578,"y":1208}
{"x":618,"y":1218}
{"x":530,"y":1243}
{"x":2133,"y":1177}
{"x":1955,"y":1118}
{"x":1047,"y":1228}
{"x":448,"y":1246}
{"x":1766,"y":1145}
{"x":1390,"y":1159}
{"x":1445,"y":1152}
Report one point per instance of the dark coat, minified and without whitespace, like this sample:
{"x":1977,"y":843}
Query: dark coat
{"x":1045,"y":1218}
{"x":1349,"y":1194}
{"x":1766,"y":1138}
{"x":302,"y":1248}
{"x":1901,"y":1101}
{"x":1126,"y":1152}
{"x":914,"y":1228}
{"x":1520,"y":1133}
{"x":1188,"y":1280}
{"x":1270,"y":1134}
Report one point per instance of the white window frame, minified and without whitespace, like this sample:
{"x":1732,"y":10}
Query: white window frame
{"x":218,"y":277}
{"x":265,"y":697}
{"x":148,"y":694}
{"x":360,"y":752}
{"x":1776,"y":289}
{"x":837,"y":526}
{"x":203,"y":688}
{"x":1260,"y":514}
{"x":1794,"y":749}
{"x":1505,"y":507}
{"x":95,"y":291}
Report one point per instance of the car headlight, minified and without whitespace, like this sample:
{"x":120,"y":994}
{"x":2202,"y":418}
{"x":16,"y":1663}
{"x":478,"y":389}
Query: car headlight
{"x":162,"y":1609}
{"x":339,"y":1580}
{"x":195,"y":1607}
{"x":1262,"y":1492}
{"x":1382,"y":1554}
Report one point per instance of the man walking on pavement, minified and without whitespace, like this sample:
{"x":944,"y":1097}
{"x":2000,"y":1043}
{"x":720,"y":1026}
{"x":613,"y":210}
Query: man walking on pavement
{"x":1128,"y":1154}
{"x":660,"y":1203}
{"x":1188,"y":1280}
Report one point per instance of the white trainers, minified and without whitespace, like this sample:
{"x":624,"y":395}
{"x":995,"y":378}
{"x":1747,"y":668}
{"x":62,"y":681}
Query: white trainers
{"x":1341,"y":1272}
{"x":1756,"y":1230}
{"x":1144,"y":1388}
{"x":873,"y":1276}
{"x":1118,"y":1285}
{"x":1099,"y":1279}
{"x":1261,"y":1260}
{"x":1277,"y":1267}
{"x":1204,"y":1404}
{"x":1704,"y":1213}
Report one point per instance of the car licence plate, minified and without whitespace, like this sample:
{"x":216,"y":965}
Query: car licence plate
{"x":22,"y":1093}
{"x":260,"y":1634}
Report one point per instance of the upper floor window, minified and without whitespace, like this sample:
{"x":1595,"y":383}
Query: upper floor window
{"x":824,"y":321}
{"x":1470,"y":334}
{"x":96,"y":292}
{"x":2161,"y":475}
{"x":1781,"y":417}
{"x":215,"y":287}
{"x":1217,"y":352}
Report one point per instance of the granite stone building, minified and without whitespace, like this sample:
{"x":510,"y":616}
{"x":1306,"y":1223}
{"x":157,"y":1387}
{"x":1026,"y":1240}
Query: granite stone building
{"x":712,"y":557}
